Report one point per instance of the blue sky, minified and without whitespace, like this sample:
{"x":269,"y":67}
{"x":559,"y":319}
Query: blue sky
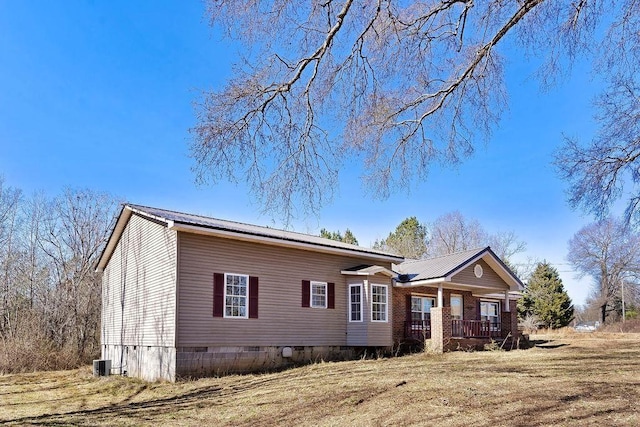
{"x":100,"y":95}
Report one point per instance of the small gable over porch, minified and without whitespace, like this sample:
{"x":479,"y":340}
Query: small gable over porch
{"x":462,"y":296}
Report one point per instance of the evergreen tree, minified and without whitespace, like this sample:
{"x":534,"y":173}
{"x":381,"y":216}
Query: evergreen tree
{"x":546,"y":298}
{"x":337,"y":235}
{"x":409,"y":239}
{"x":349,"y":237}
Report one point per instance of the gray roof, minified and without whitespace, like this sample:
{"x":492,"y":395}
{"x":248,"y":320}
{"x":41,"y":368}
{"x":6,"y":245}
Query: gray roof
{"x":441,"y":266}
{"x":167,"y":216}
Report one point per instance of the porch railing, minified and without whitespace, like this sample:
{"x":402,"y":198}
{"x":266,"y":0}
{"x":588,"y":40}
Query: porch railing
{"x":475,"y":329}
{"x":417,"y":329}
{"x":421,"y":329}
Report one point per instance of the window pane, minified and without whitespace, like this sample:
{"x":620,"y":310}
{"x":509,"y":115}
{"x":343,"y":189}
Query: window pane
{"x":236,"y":291}
{"x":318,"y":295}
{"x":378,"y":303}
{"x":456,"y":307}
{"x":356,"y":304}
{"x":421,"y":307}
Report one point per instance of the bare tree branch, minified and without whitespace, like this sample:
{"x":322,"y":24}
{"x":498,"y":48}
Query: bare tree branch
{"x":396,"y":86}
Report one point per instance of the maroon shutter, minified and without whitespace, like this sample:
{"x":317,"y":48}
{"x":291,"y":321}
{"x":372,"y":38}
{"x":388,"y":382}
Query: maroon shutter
{"x":253,"y":297}
{"x":408,"y":308}
{"x":331,"y":295}
{"x":218,"y":294}
{"x":306,"y":293}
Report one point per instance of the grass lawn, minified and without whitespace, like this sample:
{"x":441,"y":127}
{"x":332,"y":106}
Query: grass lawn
{"x":572,"y":380}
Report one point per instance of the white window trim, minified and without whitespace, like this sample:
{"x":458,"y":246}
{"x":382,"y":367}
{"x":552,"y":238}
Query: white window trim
{"x":326,"y":294}
{"x":246,"y":312}
{"x":386,"y":303}
{"x":359,"y":285}
{"x":499,"y":306}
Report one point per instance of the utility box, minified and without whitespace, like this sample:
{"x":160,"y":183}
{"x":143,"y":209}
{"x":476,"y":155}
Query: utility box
{"x":287,"y":352}
{"x":101,"y":368}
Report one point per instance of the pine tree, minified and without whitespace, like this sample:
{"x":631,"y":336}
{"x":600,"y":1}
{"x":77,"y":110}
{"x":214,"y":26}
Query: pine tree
{"x":348,"y":237}
{"x":409,"y":239}
{"x":546,"y":298}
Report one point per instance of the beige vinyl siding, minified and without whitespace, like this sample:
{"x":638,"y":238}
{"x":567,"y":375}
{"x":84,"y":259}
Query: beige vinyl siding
{"x":282,"y":321}
{"x":139,"y":301}
{"x":489,"y":279}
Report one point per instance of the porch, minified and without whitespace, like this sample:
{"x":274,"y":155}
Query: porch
{"x":452,"y":301}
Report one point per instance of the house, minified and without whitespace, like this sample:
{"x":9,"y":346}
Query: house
{"x":188,"y":295}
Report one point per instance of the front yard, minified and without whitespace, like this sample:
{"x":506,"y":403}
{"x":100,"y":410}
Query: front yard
{"x":573,"y":380}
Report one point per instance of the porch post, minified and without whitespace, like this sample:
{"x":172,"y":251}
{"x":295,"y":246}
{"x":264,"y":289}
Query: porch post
{"x":507,"y":305}
{"x":440,"y":329}
{"x":440,"y":299}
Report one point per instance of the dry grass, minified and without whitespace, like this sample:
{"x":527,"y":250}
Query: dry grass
{"x":568,"y":380}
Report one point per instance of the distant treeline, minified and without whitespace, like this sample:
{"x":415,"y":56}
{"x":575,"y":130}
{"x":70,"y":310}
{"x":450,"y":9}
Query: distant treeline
{"x":50,"y":294}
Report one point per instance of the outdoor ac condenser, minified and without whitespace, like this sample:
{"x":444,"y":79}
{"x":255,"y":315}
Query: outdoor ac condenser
{"x":101,"y":368}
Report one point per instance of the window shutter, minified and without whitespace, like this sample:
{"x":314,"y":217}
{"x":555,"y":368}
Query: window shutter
{"x":306,"y":293}
{"x":408,"y":308}
{"x":218,"y":294}
{"x":253,"y":297}
{"x":331,"y":295}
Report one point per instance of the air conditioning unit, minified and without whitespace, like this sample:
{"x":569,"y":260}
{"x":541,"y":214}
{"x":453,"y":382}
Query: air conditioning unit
{"x":101,"y":368}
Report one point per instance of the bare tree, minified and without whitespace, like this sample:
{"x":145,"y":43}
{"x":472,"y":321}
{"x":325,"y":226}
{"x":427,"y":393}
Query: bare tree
{"x":599,"y":172}
{"x":506,"y":244}
{"x":452,"y":232}
{"x":608,"y":168}
{"x":9,"y":258}
{"x":608,"y":251}
{"x":49,"y":291}
{"x":448,"y":234}
{"x":397,"y":85}
{"x":73,"y":236}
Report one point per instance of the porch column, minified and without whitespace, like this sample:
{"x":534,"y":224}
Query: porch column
{"x":507,"y":305}
{"x":440,"y":329}
{"x":440,"y":299}
{"x":505,"y":324}
{"x":509,"y":319}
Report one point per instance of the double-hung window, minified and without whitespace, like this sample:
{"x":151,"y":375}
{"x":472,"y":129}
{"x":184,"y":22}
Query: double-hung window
{"x":355,"y":303}
{"x":236,"y":295}
{"x":319,"y":294}
{"x":421,"y":307}
{"x":456,"y":307}
{"x":490,"y":311}
{"x":379,"y":303}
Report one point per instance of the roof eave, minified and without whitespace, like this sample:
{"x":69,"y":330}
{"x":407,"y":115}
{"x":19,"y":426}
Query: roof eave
{"x":371,"y":272}
{"x":423,"y":282}
{"x":116,"y":233}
